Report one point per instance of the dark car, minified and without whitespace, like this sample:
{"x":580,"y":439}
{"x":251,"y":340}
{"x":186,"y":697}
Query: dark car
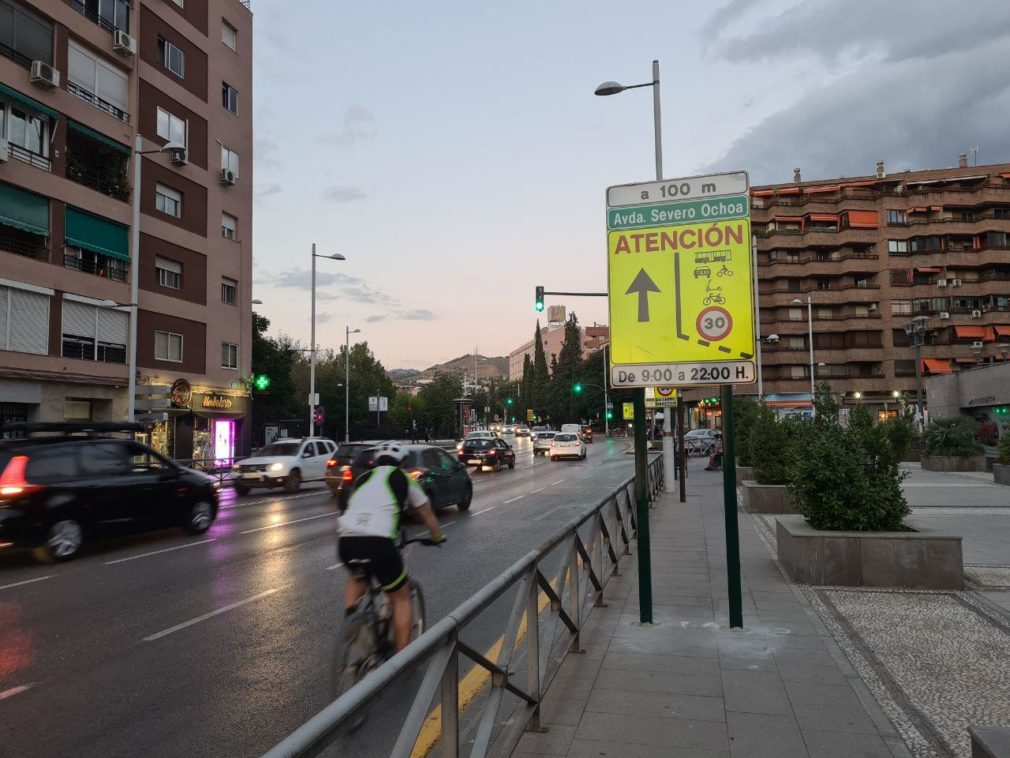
{"x":341,"y":462}
{"x":444,"y":480}
{"x":58,"y":491}
{"x":483,"y":452}
{"x":587,"y":434}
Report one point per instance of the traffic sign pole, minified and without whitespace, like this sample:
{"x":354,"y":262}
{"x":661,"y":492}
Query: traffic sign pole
{"x":730,"y":507}
{"x":642,"y":500}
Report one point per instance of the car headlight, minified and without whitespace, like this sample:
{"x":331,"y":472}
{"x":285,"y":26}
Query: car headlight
{"x":276,"y":466}
{"x":236,"y":467}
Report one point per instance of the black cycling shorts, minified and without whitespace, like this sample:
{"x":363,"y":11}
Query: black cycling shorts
{"x":386,"y":564}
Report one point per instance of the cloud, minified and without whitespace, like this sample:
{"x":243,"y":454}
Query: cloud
{"x":300,"y":278}
{"x":265,"y":151}
{"x":910,"y":80}
{"x":376,"y":318}
{"x":322,"y":318}
{"x":357,"y":126}
{"x":419,"y":314}
{"x":343,"y":193}
{"x":266,"y":190}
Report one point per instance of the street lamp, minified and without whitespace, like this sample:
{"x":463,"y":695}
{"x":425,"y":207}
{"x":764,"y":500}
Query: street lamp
{"x":810,"y":339}
{"x":347,"y":382}
{"x":177,"y":152}
{"x":312,"y":341}
{"x":916,"y":330}
{"x":613,"y":88}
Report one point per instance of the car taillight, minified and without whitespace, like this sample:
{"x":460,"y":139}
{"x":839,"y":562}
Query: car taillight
{"x":490,"y":452}
{"x":533,"y":438}
{"x":331,"y":463}
{"x":12,"y":480}
{"x":416,"y":474}
{"x":347,"y":476}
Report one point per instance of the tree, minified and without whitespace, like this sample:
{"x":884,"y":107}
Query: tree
{"x":526,"y":385}
{"x":541,"y":376}
{"x":564,"y":373}
{"x":274,"y":359}
{"x":437,"y":403}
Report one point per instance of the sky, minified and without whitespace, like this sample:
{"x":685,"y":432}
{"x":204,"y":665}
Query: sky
{"x":454,"y":151}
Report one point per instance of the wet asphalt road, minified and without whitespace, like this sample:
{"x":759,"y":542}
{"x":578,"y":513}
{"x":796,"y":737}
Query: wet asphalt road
{"x":219,"y":645}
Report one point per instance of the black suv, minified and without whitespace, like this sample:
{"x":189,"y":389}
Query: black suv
{"x":60,"y":489}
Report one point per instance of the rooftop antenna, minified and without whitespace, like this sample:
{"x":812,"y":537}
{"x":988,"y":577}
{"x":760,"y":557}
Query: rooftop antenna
{"x":974,"y":154}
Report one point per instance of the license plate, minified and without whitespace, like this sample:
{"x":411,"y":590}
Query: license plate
{"x":250,"y":476}
{"x":474,"y":460}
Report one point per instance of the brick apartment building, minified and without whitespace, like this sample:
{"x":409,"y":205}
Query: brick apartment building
{"x":553,"y":336}
{"x":871,"y":253}
{"x":79,"y":79}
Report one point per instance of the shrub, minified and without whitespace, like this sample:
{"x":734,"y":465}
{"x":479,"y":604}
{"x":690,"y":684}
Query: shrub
{"x":848,"y":479}
{"x":745,"y":415}
{"x":1003,"y":448}
{"x":901,"y":434}
{"x":954,"y":436}
{"x":769,"y":447}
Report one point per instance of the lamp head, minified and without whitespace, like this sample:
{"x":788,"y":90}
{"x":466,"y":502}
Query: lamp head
{"x":337,"y":257}
{"x":772,"y":339}
{"x":174,"y":150}
{"x":609,"y":88}
{"x":797,"y":301}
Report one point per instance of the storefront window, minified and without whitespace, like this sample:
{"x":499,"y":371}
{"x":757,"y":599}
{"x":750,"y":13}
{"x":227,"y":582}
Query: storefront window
{"x":224,"y":440}
{"x":12,"y":413}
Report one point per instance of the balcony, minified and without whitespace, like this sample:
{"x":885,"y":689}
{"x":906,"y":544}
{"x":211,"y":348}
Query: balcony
{"x":114,"y":14}
{"x":14,"y":55}
{"x":102,"y":105}
{"x":103,"y":266}
{"x":93,"y":162}
{"x":23,"y":243}
{"x":27,"y":156}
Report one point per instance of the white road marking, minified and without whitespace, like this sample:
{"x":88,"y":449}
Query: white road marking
{"x":484,"y":510}
{"x":536,"y":491}
{"x":270,"y":500}
{"x":27,"y":581}
{"x":157,"y":552}
{"x":557,"y":482}
{"x":955,"y":486}
{"x":286,"y":523}
{"x":334,"y":566}
{"x":204,"y":617}
{"x":544,"y":515}
{"x":15,"y":691}
{"x":520,"y":497}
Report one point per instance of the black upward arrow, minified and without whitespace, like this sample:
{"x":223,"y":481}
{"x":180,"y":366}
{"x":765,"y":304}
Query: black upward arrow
{"x":642,"y":285}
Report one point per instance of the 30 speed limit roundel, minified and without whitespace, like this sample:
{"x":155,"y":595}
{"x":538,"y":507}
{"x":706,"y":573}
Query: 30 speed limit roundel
{"x":714,"y":323}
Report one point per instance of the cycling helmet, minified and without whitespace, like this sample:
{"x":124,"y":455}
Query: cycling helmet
{"x":388,"y":454}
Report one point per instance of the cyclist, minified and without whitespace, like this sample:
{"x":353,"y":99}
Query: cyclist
{"x":369,"y":528}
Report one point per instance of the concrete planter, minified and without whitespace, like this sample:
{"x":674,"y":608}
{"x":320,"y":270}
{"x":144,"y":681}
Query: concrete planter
{"x":953,"y":463}
{"x":921,"y":559}
{"x":744,"y":472}
{"x":1000,"y":473}
{"x":766,"y":498}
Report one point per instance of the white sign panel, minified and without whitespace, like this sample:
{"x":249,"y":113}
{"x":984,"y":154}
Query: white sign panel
{"x":686,"y":188}
{"x":373,"y":404}
{"x":384,"y":404}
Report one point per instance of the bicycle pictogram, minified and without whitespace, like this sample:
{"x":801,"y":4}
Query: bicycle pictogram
{"x":714,"y":297}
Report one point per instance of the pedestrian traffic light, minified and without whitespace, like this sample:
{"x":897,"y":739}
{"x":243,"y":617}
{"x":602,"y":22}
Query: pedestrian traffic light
{"x":539,"y":301}
{"x":577,"y":388}
{"x":261,"y":382}
{"x":319,"y":415}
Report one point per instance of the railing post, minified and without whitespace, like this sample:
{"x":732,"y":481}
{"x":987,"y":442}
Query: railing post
{"x":450,"y":701}
{"x":599,"y":522}
{"x":533,"y":654}
{"x":574,"y":598}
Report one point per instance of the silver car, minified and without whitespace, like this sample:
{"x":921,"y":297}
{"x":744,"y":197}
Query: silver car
{"x":542,"y":442}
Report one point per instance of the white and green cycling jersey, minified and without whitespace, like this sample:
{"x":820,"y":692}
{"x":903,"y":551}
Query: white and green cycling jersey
{"x":377,"y":499}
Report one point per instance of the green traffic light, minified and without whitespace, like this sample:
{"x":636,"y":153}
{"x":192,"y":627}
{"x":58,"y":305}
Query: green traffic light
{"x":577,"y":388}
{"x":610,"y":415}
{"x":509,"y":401}
{"x":261,"y":382}
{"x":538,"y":299}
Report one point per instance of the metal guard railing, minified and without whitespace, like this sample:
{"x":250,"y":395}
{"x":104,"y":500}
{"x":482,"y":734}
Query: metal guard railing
{"x":587,"y":565}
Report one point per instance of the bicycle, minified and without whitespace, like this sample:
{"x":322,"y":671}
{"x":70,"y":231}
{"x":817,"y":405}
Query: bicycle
{"x":367,"y":639}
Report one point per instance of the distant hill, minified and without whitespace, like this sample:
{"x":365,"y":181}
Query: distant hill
{"x":487,"y":367}
{"x":402,"y":374}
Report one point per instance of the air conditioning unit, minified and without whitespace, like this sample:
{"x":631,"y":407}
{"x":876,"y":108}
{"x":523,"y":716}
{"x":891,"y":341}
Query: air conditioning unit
{"x":43,"y":75}
{"x":227,"y":177}
{"x":941,"y":282}
{"x":872,"y":307}
{"x":944,"y":315}
{"x":976,"y":345}
{"x":5,"y":150}
{"x":123,"y":43}
{"x":976,"y":314}
{"x":180,"y":158}
{"x":955,"y":282}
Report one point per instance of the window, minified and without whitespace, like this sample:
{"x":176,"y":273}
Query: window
{"x":798,"y":372}
{"x":897,"y":217}
{"x":795,"y":343}
{"x":169,"y":272}
{"x":229,"y":225}
{"x":901,"y":307}
{"x":229,"y":291}
{"x":171,"y":57}
{"x":168,"y":346}
{"x":23,"y":36}
{"x":97,"y":82}
{"x":796,"y":314}
{"x":91,"y":333}
{"x":229,"y":160}
{"x":229,"y":35}
{"x":76,"y":410}
{"x":229,"y":355}
{"x":24,"y":321}
{"x":171,"y":128}
{"x":180,"y":3}
{"x":27,"y":130}
{"x":108,"y":14}
{"x":229,"y":97}
{"x":897,"y":247}
{"x":167,"y":200}
{"x":824,"y":313}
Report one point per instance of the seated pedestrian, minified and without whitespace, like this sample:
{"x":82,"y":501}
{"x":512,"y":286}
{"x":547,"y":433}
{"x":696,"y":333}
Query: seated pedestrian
{"x":715,"y":459}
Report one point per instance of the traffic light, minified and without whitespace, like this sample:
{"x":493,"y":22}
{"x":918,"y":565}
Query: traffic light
{"x":509,"y":401}
{"x":539,"y":300}
{"x":261,"y":382}
{"x":319,"y":414}
{"x":610,"y":415}
{"x":577,"y":388}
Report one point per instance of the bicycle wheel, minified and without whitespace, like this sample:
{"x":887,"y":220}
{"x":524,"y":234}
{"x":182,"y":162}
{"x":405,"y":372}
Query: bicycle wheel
{"x":417,"y":600}
{"x":355,"y":652}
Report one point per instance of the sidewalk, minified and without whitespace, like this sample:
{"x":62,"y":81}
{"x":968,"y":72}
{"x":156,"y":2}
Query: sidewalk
{"x":689,"y":686}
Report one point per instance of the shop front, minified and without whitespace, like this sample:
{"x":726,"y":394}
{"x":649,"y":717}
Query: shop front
{"x":204,"y":426}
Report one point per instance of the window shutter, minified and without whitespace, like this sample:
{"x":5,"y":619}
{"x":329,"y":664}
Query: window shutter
{"x":111,"y":86}
{"x":4,"y":296}
{"x":161,"y":345}
{"x":81,"y":67}
{"x":29,"y":322}
{"x":113,"y":326}
{"x":174,"y":266}
{"x":78,"y":319}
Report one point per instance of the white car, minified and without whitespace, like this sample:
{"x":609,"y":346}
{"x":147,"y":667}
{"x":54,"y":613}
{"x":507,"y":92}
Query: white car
{"x":542,"y":441}
{"x":284,"y":463}
{"x":567,"y":445}
{"x":701,"y":441}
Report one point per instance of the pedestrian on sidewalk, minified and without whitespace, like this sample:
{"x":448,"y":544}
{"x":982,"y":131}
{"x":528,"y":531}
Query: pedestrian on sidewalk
{"x":715,"y":459}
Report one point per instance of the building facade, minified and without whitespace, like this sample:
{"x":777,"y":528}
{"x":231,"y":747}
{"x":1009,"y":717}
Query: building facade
{"x":869,"y":254}
{"x":80,"y":80}
{"x":594,"y":338}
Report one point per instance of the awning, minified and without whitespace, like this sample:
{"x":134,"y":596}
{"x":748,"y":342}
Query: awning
{"x":965,"y":360}
{"x":927,"y":181}
{"x":967,"y":178}
{"x":824,"y":217}
{"x":99,"y":137}
{"x":769,"y":193}
{"x":787,"y":191}
{"x":97,"y":234}
{"x":936,"y":208}
{"x":24,"y":210}
{"x":863,"y":219}
{"x":929,"y":269}
{"x":1005,"y":175}
{"x":1002,"y":331}
{"x":868,"y":183}
{"x":919,"y":209}
{"x":788,"y":403}
{"x":970,"y":332}
{"x":823,"y":188}
{"x":936,"y":366}
{"x":13,"y":94}
{"x":791,"y":219}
